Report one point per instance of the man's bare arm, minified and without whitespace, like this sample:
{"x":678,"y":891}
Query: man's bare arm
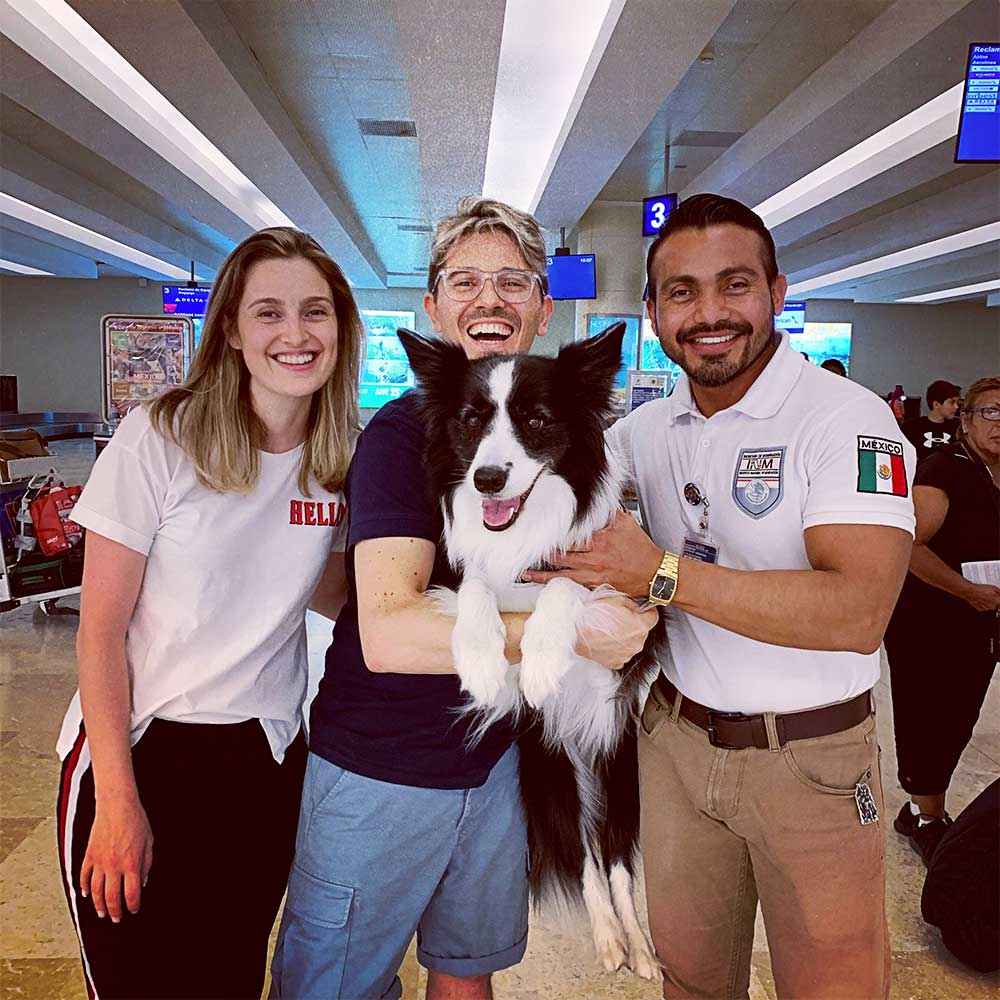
{"x":842,"y":603}
{"x":402,"y":632}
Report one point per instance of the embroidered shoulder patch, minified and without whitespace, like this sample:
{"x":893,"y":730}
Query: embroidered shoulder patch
{"x":880,"y":466}
{"x":758,"y":483}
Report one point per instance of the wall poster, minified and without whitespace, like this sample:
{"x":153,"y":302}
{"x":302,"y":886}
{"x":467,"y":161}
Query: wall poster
{"x":144,"y":356}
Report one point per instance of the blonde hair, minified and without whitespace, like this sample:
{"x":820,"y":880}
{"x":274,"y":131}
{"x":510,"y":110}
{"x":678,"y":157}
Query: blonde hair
{"x":977,"y":389}
{"x":483,"y":215}
{"x":211,"y":415}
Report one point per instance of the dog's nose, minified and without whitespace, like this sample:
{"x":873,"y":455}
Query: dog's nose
{"x":490,"y":478}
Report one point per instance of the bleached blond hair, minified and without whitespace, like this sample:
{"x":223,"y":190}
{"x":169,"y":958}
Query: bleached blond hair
{"x":484,"y":215}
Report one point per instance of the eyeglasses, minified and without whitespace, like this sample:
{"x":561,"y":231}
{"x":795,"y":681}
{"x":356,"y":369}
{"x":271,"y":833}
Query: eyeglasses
{"x":991,"y":413}
{"x":463,"y":284}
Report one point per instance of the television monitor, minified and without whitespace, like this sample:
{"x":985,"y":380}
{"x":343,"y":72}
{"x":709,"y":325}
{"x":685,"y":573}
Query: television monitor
{"x":572,"y":276}
{"x":181,"y":300}
{"x":651,"y":356}
{"x":979,"y":125}
{"x":599,"y":322}
{"x":823,"y":341}
{"x":386,"y":372}
{"x":792,"y":318}
{"x":655,"y":211}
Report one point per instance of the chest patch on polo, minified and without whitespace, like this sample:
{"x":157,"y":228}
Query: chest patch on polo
{"x":880,"y":466}
{"x":758,"y":483}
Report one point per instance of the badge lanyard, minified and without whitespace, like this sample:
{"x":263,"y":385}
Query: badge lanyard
{"x":700,"y":546}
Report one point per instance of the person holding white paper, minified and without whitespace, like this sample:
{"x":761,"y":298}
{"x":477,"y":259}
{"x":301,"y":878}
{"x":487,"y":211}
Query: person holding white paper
{"x":942,"y":641}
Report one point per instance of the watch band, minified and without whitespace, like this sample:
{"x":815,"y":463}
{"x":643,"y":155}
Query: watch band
{"x":663,"y":586}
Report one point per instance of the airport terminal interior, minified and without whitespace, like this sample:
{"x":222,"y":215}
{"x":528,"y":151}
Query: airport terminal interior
{"x":142,"y":140}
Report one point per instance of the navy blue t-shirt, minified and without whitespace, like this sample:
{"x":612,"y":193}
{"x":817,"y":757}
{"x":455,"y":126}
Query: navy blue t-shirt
{"x":402,"y":728}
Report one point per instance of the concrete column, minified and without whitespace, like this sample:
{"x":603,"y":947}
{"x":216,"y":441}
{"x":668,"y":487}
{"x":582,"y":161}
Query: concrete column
{"x":612,"y":231}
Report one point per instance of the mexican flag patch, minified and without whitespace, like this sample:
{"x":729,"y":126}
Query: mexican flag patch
{"x":880,"y":466}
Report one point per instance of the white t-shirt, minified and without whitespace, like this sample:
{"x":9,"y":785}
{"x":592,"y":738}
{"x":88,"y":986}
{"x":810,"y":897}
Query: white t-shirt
{"x":803,"y":447}
{"x":218,"y":631}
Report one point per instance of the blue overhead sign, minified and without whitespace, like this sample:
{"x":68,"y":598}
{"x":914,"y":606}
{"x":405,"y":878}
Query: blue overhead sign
{"x":655,"y":211}
{"x":181,"y":300}
{"x":979,"y":126}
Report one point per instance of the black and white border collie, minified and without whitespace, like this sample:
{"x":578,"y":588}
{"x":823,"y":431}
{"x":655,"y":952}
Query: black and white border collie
{"x":515,"y":450}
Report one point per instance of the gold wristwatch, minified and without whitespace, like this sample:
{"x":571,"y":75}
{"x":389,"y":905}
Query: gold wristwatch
{"x":663,"y":586}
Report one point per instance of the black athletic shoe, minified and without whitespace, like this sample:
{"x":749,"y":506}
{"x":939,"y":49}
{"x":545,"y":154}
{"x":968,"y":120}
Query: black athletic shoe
{"x":925,"y":839}
{"x":906,"y":822}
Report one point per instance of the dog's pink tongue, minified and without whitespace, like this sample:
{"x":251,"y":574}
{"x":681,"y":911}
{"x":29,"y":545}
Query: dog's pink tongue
{"x":496,"y":513}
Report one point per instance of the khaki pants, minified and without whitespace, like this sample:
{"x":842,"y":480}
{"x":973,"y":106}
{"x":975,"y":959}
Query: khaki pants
{"x":722,"y":828}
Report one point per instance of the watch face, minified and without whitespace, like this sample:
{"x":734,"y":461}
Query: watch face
{"x":663,"y":587}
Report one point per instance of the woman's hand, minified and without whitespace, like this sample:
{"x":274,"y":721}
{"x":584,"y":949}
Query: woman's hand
{"x":982,"y":596}
{"x":612,"y":630}
{"x":120,"y":851}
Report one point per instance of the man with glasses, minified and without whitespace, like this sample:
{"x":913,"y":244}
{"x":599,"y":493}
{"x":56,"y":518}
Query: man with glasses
{"x":404,"y":826}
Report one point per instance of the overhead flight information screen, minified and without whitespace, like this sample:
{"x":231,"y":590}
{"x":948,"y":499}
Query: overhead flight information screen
{"x":979,"y":126}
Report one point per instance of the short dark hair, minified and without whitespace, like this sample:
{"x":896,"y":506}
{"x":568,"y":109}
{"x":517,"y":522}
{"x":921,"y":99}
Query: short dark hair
{"x":939,"y":391}
{"x":703,"y":210}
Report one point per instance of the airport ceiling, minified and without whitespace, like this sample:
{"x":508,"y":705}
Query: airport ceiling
{"x":362,"y":121}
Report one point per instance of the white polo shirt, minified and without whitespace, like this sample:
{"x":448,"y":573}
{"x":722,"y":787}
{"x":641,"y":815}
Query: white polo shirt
{"x":803,"y":447}
{"x":218,"y":631}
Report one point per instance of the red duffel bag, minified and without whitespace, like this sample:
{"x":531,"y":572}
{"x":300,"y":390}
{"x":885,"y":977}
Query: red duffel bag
{"x":50,"y":514}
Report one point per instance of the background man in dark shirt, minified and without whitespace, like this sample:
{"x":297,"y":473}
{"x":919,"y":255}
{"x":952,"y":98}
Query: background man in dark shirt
{"x":940,"y":426}
{"x":403,"y":826}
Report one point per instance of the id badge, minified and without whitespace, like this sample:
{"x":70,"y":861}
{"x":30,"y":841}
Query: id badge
{"x":700,"y":548}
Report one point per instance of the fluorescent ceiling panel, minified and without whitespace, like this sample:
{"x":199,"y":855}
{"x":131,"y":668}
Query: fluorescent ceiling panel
{"x":955,"y":293}
{"x":920,"y":130}
{"x":54,"y":34}
{"x":35,"y":216}
{"x":34,"y":272}
{"x":543,"y":75}
{"x":913,"y":255}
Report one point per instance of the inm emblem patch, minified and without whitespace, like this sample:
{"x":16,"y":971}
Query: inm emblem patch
{"x":758,"y":483}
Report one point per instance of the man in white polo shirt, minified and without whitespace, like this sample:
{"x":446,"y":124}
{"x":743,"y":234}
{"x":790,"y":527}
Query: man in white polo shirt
{"x":777,"y":501}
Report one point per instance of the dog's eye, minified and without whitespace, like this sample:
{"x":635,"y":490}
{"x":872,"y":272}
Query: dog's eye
{"x":473,"y":423}
{"x":536,"y":424}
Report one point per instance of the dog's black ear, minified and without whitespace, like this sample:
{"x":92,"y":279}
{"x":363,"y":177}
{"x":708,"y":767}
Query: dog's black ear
{"x":592,"y":364}
{"x":434,"y":362}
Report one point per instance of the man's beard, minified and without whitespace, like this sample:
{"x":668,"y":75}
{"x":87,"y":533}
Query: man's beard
{"x":711,"y":372}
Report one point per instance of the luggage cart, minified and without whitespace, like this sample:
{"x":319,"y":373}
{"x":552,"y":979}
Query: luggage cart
{"x":42,"y":580}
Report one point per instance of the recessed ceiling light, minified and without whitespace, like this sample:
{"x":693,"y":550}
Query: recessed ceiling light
{"x":955,"y":293}
{"x":61,"y":40}
{"x":527,"y":134}
{"x":35,"y":216}
{"x":914,"y":133}
{"x":10,"y":265}
{"x":912,"y":255}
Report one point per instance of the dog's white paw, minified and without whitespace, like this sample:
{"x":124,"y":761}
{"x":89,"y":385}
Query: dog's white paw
{"x":544,"y":663}
{"x":642,"y":961}
{"x":612,"y":951}
{"x":547,"y":647}
{"x":477,"y":645}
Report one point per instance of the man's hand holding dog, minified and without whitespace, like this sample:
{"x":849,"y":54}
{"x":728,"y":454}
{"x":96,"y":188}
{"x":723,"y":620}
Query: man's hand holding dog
{"x":621,"y":555}
{"x":610,"y":631}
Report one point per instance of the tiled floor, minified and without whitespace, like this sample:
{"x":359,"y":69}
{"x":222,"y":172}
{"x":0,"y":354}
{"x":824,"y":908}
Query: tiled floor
{"x":38,"y":954}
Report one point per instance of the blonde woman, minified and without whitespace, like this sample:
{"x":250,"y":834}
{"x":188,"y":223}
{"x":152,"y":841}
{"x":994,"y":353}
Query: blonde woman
{"x":213,"y":518}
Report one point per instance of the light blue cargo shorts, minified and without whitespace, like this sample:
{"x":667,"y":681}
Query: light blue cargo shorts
{"x":375,"y":862}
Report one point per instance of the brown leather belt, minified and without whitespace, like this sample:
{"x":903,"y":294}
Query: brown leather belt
{"x":736,"y":731}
